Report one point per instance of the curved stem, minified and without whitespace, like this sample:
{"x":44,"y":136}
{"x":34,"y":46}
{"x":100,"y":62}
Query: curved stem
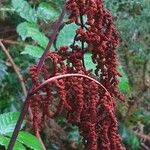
{"x":65,"y":76}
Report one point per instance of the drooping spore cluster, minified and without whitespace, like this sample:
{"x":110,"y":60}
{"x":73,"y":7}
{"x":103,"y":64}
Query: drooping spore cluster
{"x":82,"y":101}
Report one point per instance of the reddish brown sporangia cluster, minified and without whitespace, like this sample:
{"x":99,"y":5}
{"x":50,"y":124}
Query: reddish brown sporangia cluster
{"x":85,"y":103}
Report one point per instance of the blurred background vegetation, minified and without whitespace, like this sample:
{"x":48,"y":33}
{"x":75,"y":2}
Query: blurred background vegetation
{"x":25,"y":27}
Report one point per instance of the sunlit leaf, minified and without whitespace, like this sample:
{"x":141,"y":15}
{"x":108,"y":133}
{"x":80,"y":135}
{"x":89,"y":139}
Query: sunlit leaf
{"x":31,"y":30}
{"x":47,"y":12}
{"x":8,"y":122}
{"x":29,"y":140}
{"x":5,"y":141}
{"x":124,"y":82}
{"x":66,"y":35}
{"x":23,"y":8}
{"x":34,"y":51}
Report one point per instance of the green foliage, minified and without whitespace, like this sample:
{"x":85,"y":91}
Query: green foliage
{"x":66,"y":34}
{"x":23,"y":8}
{"x":139,"y":115}
{"x":26,"y":30}
{"x":4,"y":141}
{"x":47,"y":12}
{"x":44,"y":11}
{"x":8,"y":122}
{"x":4,"y":103}
{"x":129,"y":138}
{"x":30,"y":28}
{"x":88,"y":62}
{"x":74,"y":135}
{"x":133,"y":22}
{"x":3,"y":71}
{"x":7,"y":125}
{"x":34,"y":51}
{"x":28,"y":139}
{"x":124,"y":82}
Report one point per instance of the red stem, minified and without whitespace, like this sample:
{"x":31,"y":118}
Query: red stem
{"x":56,"y":29}
{"x":40,"y":64}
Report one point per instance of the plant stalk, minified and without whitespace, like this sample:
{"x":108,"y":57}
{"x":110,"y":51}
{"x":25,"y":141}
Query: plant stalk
{"x":40,"y":64}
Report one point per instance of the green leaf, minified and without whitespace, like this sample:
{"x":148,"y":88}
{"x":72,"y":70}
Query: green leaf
{"x":46,"y":12}
{"x":66,"y":35}
{"x":31,"y":30}
{"x":8,"y":122}
{"x":29,"y":140}
{"x":74,"y":135}
{"x":5,"y":141}
{"x":25,"y":29}
{"x":33,"y":51}
{"x":124,"y":82}
{"x":88,"y":62}
{"x":23,"y":8}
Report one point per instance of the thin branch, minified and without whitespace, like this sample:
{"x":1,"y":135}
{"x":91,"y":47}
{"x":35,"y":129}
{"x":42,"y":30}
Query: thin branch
{"x":40,"y":140}
{"x":52,"y":38}
{"x":143,"y":136}
{"x":55,"y":41}
{"x":74,"y":40}
{"x":144,"y":75}
{"x":4,"y":9}
{"x":82,"y":43}
{"x":9,"y":41}
{"x":40,"y":64}
{"x":15,"y":67}
{"x":143,"y":145}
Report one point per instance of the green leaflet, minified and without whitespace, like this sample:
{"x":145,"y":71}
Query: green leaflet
{"x":29,"y":140}
{"x":5,"y":141}
{"x":23,"y":8}
{"x":47,"y":12}
{"x":26,"y":30}
{"x":34,"y":51}
{"x":88,"y":62}
{"x":66,"y":35}
{"x":7,"y":125}
{"x":8,"y":122}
